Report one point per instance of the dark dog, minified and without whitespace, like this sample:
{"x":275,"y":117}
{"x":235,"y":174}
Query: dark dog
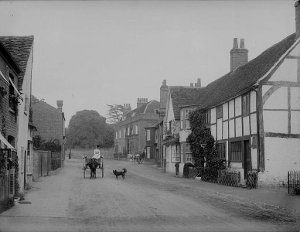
{"x":120,"y":173}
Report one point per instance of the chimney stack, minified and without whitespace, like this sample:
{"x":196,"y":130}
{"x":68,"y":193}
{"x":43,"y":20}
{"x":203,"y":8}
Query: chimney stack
{"x":191,"y":85}
{"x":297,"y":18}
{"x":163,"y":98}
{"x":198,"y":84}
{"x":59,"y":104}
{"x":141,"y":101}
{"x":238,"y":55}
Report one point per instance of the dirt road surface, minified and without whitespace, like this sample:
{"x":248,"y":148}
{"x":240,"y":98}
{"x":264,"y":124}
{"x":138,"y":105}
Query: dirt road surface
{"x":147,"y":200}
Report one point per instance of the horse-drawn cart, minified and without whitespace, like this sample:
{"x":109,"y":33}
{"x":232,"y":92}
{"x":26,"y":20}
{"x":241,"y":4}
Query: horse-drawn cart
{"x":93,"y":164}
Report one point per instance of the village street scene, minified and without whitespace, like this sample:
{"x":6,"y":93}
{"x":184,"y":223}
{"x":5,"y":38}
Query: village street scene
{"x":150,"y":116}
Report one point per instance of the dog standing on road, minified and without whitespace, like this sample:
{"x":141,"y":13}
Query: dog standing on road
{"x":120,"y":173}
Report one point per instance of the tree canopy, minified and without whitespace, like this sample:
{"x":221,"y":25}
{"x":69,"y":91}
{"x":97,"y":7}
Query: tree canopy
{"x":87,"y":129}
{"x":116,"y":112}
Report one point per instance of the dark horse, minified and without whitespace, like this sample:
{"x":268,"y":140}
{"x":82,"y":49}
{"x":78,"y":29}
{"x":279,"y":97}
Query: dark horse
{"x":93,"y":164}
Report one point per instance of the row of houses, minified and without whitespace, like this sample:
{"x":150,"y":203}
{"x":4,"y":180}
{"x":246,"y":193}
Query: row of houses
{"x":253,"y":113}
{"x":19,"y":118}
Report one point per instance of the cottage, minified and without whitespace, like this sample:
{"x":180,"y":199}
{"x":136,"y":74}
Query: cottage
{"x":253,"y":112}
{"x":16,"y":76}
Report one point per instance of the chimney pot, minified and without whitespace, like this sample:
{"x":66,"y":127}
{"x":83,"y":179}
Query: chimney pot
{"x":59,"y":104}
{"x":235,"y":43}
{"x":242,"y":44}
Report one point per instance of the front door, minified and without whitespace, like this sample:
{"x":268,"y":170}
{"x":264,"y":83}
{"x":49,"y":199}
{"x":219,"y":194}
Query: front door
{"x":247,"y":158}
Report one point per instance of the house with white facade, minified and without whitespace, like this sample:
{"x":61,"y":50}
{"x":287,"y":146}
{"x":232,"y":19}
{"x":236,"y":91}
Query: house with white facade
{"x":172,"y":147}
{"x":253,"y":112}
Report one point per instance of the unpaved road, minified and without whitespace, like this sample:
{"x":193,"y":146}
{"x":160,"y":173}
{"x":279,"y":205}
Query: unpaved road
{"x":147,"y":200}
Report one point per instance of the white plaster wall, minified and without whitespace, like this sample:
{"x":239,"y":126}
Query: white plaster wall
{"x":23,"y":138}
{"x":281,"y":156}
{"x":252,"y":101}
{"x":295,"y":122}
{"x":254,"y":158}
{"x":170,"y":112}
{"x":225,"y":130}
{"x":295,"y":98}
{"x":219,"y":129}
{"x":253,"y":119}
{"x":278,"y":100}
{"x":231,"y":128}
{"x":213,"y":131}
{"x":183,"y":134}
{"x":225,"y":111}
{"x":213,"y":115}
{"x":238,"y":106}
{"x":231,"y":109}
{"x":287,"y":71}
{"x":246,"y":125}
{"x":276,"y":121}
{"x":238,"y":127}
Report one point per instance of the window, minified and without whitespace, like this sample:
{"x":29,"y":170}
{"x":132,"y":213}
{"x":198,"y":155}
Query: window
{"x":12,"y":97}
{"x":148,"y":152}
{"x":207,"y":117}
{"x":181,"y":119}
{"x":188,"y":153}
{"x":246,"y":105}
{"x":148,"y":135}
{"x":220,"y":111}
{"x":187,"y":118}
{"x":235,"y":151}
{"x":26,"y":109}
{"x":221,"y":150}
{"x":175,"y":152}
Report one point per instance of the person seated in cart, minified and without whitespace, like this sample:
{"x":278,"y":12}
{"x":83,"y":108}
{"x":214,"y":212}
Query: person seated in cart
{"x":97,"y":154}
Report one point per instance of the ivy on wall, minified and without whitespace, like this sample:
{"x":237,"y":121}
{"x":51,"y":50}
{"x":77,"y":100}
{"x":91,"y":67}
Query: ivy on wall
{"x":203,"y":148}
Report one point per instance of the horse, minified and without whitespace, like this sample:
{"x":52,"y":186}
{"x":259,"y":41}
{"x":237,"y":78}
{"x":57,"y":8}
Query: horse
{"x":93,"y":164}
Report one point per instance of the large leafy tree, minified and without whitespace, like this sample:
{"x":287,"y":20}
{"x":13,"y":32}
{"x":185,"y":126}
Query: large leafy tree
{"x":87,"y":128}
{"x":203,"y":146}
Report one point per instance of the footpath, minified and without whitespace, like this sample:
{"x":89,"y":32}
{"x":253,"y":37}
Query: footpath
{"x":273,"y":197}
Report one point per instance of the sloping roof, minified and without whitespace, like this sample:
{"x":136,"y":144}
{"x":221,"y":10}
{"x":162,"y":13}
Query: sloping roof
{"x":148,"y":107}
{"x":237,"y":81}
{"x":242,"y":78}
{"x":19,"y":48}
{"x":182,"y":95}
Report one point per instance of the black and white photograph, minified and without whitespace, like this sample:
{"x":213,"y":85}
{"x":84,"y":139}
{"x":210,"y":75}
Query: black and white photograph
{"x":149,"y":115}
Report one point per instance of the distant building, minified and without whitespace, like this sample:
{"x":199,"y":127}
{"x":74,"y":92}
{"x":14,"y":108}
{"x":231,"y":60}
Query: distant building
{"x":130,"y":132}
{"x":49,"y":122}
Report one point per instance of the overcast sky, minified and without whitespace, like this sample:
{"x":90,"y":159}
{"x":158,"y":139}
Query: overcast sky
{"x":90,"y":54}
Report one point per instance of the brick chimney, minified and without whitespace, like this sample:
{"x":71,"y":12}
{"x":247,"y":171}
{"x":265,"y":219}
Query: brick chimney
{"x":163,"y":98}
{"x":59,"y":105}
{"x":297,"y":18}
{"x":141,"y":101}
{"x":198,"y":83}
{"x":238,"y":55}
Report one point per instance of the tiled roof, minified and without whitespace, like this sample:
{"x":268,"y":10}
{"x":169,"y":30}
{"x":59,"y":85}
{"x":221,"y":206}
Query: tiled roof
{"x":184,"y":96}
{"x":19,"y":48}
{"x":148,"y":107}
{"x":235,"y":82}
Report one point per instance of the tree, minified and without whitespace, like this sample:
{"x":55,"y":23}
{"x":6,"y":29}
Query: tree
{"x":87,"y":128}
{"x":203,"y":147}
{"x":116,"y":112}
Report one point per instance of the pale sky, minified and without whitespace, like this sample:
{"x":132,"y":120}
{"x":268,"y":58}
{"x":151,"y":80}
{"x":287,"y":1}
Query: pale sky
{"x":93,"y":53}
